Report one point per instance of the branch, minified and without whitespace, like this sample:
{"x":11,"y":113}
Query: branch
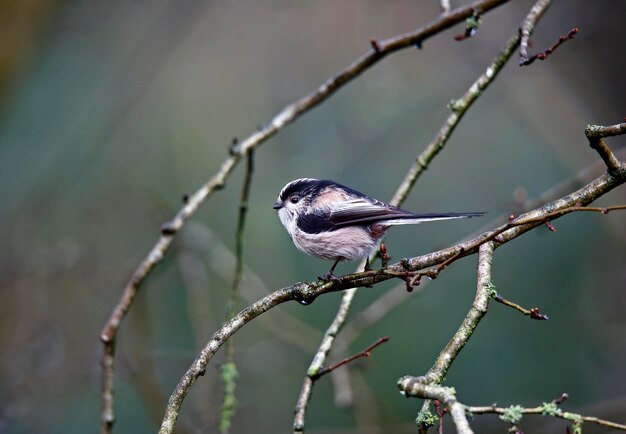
{"x":289,"y":114}
{"x":312,"y":377}
{"x":365,"y":353}
{"x":599,"y":131}
{"x":459,"y":108}
{"x":306,"y":293}
{"x":320,"y":356}
{"x":461,"y":250}
{"x":514,"y":413}
{"x":533,"y":313}
{"x":447,"y":356}
{"x":502,"y":235}
{"x":419,"y":388}
{"x":437,"y":372}
{"x":496,"y":234}
{"x":544,"y":54}
{"x":595,"y":134}
{"x":476,"y":313}
{"x":393,"y":298}
{"x":219,"y":338}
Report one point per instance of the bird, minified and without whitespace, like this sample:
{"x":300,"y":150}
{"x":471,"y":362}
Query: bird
{"x":330,"y":221}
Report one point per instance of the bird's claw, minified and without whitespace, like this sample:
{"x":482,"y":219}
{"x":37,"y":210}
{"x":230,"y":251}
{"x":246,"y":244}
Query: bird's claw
{"x":367,"y":265}
{"x":329,"y":277}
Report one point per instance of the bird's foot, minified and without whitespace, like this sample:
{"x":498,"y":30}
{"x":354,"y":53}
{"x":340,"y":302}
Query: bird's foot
{"x":367,"y":265}
{"x":329,"y":277}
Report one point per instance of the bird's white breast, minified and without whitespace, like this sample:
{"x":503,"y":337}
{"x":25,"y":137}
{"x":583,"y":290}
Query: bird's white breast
{"x":352,"y":243}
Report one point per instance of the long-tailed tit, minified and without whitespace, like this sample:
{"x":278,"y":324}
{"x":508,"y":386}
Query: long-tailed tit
{"x":331,"y":221}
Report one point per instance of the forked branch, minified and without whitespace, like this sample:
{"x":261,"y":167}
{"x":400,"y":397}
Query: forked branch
{"x":239,"y":149}
{"x":458,"y":109}
{"x":306,"y":293}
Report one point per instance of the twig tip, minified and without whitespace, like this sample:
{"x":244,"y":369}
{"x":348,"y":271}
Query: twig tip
{"x":535,"y":314}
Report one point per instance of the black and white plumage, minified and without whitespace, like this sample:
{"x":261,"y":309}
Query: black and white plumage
{"x":330,"y":221}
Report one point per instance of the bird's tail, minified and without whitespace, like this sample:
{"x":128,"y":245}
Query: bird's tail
{"x":420,"y":218}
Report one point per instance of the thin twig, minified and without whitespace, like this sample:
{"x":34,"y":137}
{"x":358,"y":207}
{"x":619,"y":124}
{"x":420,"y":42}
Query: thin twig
{"x":419,"y":387}
{"x":228,"y":370}
{"x":287,"y":115}
{"x":545,"y":53}
{"x":365,"y":353}
{"x":441,"y":412}
{"x":546,"y":409}
{"x":533,"y":312}
{"x":601,"y":210}
{"x":421,"y":163}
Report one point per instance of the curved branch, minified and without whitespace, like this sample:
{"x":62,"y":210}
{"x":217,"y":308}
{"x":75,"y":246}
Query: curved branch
{"x":306,"y":293}
{"x":289,"y":114}
{"x":390,"y":300}
{"x":219,"y":338}
{"x":459,"y":108}
{"x":476,"y":313}
{"x":528,"y":26}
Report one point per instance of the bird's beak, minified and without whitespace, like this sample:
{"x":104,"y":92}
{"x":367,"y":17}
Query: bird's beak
{"x":277,"y":205}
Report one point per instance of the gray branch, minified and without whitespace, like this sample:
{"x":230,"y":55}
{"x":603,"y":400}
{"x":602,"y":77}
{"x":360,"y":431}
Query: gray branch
{"x":290,"y":113}
{"x":307,"y":292}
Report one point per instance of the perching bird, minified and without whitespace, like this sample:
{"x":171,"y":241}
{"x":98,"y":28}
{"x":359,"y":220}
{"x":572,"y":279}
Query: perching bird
{"x":328,"y":220}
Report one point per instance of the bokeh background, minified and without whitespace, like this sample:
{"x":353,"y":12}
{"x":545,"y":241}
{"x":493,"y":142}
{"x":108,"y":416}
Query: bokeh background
{"x":111,"y":111}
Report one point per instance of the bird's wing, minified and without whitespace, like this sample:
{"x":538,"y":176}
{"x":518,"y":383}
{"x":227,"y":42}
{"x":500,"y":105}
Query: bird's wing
{"x":363,"y":211}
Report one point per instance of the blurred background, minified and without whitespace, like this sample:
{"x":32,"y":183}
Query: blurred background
{"x":111,"y":111}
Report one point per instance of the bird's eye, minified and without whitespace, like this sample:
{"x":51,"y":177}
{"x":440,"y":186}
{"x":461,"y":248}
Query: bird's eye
{"x":294,"y":199}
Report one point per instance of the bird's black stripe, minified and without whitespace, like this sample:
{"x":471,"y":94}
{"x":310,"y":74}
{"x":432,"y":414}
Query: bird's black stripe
{"x":315,"y":222}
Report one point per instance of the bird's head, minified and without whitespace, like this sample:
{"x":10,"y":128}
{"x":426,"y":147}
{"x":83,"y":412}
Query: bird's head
{"x":295,"y":198}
